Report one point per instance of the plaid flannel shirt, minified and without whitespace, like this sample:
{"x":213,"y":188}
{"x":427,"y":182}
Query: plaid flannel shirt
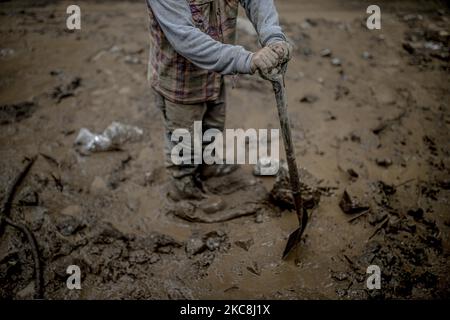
{"x":175,"y":77}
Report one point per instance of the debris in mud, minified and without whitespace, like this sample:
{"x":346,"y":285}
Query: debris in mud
{"x":28,"y":197}
{"x":424,"y":41}
{"x":66,"y":90}
{"x":309,"y":98}
{"x":35,"y":217}
{"x":6,"y":52}
{"x":367,"y":55}
{"x":386,"y":123}
{"x":68,"y":225}
{"x":325,"y":52}
{"x":214,"y":240}
{"x":11,"y":113}
{"x":131,"y":59}
{"x":383,"y":162}
{"x":339,"y":275}
{"x":281,"y":194}
{"x":416,"y":213}
{"x":254,"y":268}
{"x":354,"y":199}
{"x":405,"y":246}
{"x":211,"y":241}
{"x":341,"y":91}
{"x":259,"y":218}
{"x":336,"y":62}
{"x":161,"y":243}
{"x":352,"y":173}
{"x":245,"y":244}
{"x":195,"y":245}
{"x":377,"y":216}
{"x":114,"y":136}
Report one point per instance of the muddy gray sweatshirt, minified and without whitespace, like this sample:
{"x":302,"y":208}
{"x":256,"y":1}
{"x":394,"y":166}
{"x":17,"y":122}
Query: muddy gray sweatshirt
{"x":175,"y":19}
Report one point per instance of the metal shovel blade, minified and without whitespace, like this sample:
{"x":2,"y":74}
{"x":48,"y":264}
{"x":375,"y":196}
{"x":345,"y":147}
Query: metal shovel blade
{"x":293,"y":241}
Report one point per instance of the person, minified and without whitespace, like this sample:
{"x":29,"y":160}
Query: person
{"x":192,"y":47}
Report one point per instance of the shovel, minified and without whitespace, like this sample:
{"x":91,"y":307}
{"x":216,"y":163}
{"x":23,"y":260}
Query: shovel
{"x":277,"y":80}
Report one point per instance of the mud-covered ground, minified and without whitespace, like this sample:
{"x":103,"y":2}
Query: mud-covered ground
{"x":370,"y":117}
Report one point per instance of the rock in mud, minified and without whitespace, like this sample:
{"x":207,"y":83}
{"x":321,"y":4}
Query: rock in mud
{"x":212,"y":205}
{"x":259,"y":218}
{"x":215,"y":240}
{"x":354,"y":199}
{"x":195,"y":245}
{"x":367,"y":55}
{"x":376,"y":217}
{"x":336,"y":62}
{"x":383,"y":162}
{"x":309,"y":98}
{"x":66,"y":90}
{"x":386,"y":189}
{"x":339,"y":275}
{"x":281,"y":193}
{"x":325,"y":52}
{"x":416,"y":213}
{"x":16,"y":112}
{"x":68,"y":225}
{"x":244,"y":244}
{"x":98,"y":186}
{"x":28,"y":197}
{"x":36,"y":217}
{"x":212,"y":241}
{"x":162,"y":243}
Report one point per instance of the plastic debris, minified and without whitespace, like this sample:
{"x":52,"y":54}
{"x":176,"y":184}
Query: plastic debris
{"x":114,"y":136}
{"x":336,"y":62}
{"x":325,"y":53}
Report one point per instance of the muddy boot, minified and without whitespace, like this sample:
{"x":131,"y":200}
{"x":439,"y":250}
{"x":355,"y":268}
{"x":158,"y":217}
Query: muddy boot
{"x":185,"y":188}
{"x":217,"y":170}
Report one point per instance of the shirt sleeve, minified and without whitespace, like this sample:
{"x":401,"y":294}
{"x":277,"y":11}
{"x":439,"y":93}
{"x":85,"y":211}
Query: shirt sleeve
{"x":175,"y":20}
{"x":264,"y":16}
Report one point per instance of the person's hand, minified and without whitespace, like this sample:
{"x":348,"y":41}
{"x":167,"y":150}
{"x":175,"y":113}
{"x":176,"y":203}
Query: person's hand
{"x":283,"y":49}
{"x":264,"y":60}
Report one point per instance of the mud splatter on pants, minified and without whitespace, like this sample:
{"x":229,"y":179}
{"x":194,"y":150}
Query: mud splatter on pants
{"x":182,"y":116}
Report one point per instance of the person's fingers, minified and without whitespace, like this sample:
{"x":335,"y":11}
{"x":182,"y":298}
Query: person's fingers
{"x":267,"y":62}
{"x":263,"y":65}
{"x":273,"y":56}
{"x":270,"y":60}
{"x":279,"y":50}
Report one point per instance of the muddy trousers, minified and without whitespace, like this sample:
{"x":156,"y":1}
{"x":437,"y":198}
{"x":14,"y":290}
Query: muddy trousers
{"x":182,"y":116}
